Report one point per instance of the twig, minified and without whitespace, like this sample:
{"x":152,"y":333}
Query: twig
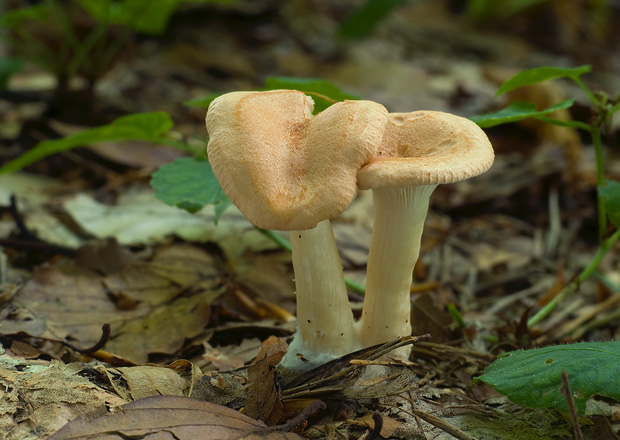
{"x":3,"y":267}
{"x":565,"y":391}
{"x":315,"y":406}
{"x":329,"y":372}
{"x":5,"y":312}
{"x":19,"y":221}
{"x":37,"y":245}
{"x":444,"y":426}
{"x":375,"y":433}
{"x":28,"y":240}
{"x":105,"y":335}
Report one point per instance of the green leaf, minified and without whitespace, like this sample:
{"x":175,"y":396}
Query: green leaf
{"x":518,"y":111}
{"x":100,"y":10}
{"x":324,"y":93}
{"x":15,"y":18}
{"x":139,"y":15}
{"x":318,"y":89}
{"x":202,"y":102}
{"x":144,"y":16}
{"x":365,"y":18}
{"x":540,"y":74}
{"x":141,"y":126}
{"x":189,"y":183}
{"x":610,"y":191}
{"x":533,"y":377}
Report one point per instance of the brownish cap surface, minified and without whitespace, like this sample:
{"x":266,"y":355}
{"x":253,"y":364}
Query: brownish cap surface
{"x":284,"y":168}
{"x":427,"y":148}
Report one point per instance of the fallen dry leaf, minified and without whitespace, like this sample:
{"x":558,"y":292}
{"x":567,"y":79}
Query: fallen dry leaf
{"x":229,"y":357}
{"x":139,"y":218}
{"x":388,"y":426}
{"x":152,"y":306}
{"x":33,"y":192}
{"x":37,"y":398}
{"x":264,"y":401}
{"x":174,"y":418}
{"x":134,"y":383}
{"x":427,"y":317}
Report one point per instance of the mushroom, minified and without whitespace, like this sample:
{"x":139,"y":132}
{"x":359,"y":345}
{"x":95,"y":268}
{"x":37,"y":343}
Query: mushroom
{"x":419,"y":151}
{"x":286,"y":169}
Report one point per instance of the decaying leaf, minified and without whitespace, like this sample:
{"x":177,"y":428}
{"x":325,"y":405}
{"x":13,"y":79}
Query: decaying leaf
{"x":139,"y":218}
{"x":426,"y":316}
{"x":388,"y":425}
{"x":37,"y":398}
{"x":230,"y":357}
{"x":133,"y":383}
{"x":174,"y":418}
{"x":152,"y":306}
{"x":263,"y":397}
{"x":225,"y":388}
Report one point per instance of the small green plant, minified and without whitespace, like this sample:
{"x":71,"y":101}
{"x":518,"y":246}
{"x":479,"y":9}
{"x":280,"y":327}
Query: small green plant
{"x":534,"y":377}
{"x":151,"y":127}
{"x":603,"y":109}
{"x":81,"y":36}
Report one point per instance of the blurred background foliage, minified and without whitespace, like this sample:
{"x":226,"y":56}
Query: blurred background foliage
{"x":88,"y":62}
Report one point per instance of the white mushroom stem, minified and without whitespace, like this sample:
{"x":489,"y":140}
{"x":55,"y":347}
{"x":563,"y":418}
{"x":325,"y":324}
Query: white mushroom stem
{"x":324,"y":315}
{"x":394,"y":249}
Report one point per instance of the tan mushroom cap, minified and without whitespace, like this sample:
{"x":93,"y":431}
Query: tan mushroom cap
{"x":427,"y":148}
{"x":283,"y":167}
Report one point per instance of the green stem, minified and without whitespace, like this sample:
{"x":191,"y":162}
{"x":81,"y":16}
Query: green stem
{"x":456,"y":316}
{"x":354,"y":285}
{"x":85,"y":50}
{"x":107,"y":54}
{"x":276,"y":238}
{"x":576,"y":283}
{"x":615,"y":108}
{"x":572,"y":124}
{"x":285,"y":244}
{"x":587,"y":90}
{"x":64,"y":19}
{"x":600,"y":180}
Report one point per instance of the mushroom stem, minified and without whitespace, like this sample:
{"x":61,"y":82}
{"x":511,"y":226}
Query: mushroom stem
{"x":323,"y":312}
{"x":394,"y":250}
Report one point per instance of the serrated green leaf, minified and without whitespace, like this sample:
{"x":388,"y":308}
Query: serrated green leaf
{"x":518,"y":111}
{"x":189,"y":183}
{"x":141,"y":126}
{"x":540,"y":74}
{"x":610,"y":191}
{"x":318,"y":89}
{"x":533,"y":377}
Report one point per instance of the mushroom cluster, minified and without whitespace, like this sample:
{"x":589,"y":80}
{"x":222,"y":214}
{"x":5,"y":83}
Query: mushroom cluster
{"x":286,"y":169}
